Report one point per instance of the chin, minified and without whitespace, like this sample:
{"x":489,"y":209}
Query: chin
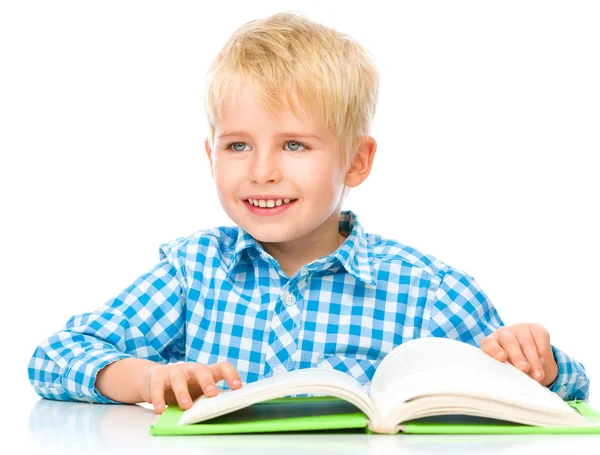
{"x":266,"y":237}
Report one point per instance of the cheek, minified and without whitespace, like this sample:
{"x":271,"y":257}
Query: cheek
{"x":319,"y":175}
{"x":226,"y":172}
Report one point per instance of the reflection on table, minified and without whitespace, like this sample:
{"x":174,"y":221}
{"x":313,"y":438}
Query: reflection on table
{"x":73,"y":427}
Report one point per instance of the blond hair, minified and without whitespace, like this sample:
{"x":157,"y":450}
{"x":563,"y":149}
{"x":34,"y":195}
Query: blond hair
{"x":330,"y":73}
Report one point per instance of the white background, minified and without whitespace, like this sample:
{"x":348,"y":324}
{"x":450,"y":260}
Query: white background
{"x":487,"y":130}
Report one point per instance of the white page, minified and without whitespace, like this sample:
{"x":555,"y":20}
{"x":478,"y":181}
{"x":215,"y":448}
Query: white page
{"x":306,"y":380}
{"x":440,"y":365}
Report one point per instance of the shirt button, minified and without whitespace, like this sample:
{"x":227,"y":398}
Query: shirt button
{"x":279,"y":370}
{"x":290,"y":299}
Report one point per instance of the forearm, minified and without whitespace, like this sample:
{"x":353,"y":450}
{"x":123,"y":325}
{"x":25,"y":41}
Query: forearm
{"x":65,"y":366}
{"x":572,"y":382}
{"x":122,"y":380}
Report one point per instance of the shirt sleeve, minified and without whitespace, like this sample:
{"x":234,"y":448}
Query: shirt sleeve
{"x":572,"y":382}
{"x":145,"y":320}
{"x":462,"y":311}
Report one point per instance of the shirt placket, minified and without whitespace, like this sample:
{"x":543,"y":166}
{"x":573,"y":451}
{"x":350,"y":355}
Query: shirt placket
{"x":282,"y":349}
{"x":283,"y":339}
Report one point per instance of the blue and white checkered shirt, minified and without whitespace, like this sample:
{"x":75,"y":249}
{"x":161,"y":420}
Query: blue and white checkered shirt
{"x":217,"y":295}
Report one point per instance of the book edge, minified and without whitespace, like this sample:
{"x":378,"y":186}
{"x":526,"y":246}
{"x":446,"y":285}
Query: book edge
{"x":166,"y":423}
{"x":581,"y":406}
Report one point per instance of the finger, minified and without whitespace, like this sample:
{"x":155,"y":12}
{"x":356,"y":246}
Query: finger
{"x":205,"y":379}
{"x":508,"y":341}
{"x":227,"y":371}
{"x":541,"y":338}
{"x":490,"y":346}
{"x":157,"y":392}
{"x":530,"y":351}
{"x":179,"y":385}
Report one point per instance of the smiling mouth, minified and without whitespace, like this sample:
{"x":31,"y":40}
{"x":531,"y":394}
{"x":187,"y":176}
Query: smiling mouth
{"x":266,"y":211}
{"x":254,"y":203}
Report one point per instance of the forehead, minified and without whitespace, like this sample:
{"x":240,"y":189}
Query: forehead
{"x":242,"y":111}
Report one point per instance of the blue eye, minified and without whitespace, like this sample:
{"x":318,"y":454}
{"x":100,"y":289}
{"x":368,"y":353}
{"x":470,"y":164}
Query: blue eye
{"x":233,"y":145}
{"x":295,"y":142}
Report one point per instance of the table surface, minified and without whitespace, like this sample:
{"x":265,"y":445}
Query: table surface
{"x":74,"y":427}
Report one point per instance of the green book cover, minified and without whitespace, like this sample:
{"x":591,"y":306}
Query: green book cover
{"x":477,"y":425}
{"x":272,"y":416}
{"x":323,"y":413}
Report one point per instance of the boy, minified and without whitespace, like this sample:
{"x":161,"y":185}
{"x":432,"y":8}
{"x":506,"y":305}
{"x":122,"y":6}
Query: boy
{"x":297,"y":283}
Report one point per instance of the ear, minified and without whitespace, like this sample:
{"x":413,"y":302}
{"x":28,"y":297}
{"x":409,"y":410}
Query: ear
{"x":209,"y":154}
{"x":362,"y":161}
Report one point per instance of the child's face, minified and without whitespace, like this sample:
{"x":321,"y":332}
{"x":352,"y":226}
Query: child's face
{"x":267,"y":162}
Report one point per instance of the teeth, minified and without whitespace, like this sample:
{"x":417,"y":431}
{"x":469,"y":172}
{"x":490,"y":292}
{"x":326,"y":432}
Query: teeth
{"x":268,"y":203}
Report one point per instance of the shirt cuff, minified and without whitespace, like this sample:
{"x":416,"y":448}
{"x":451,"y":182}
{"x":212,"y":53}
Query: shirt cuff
{"x":80,"y":376}
{"x":572,"y":382}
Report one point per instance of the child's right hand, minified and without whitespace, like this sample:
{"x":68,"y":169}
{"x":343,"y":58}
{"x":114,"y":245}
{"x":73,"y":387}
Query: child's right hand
{"x":184,"y":382}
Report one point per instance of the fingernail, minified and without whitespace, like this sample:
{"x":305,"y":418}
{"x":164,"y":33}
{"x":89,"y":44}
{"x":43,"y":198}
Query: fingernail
{"x":210,"y":388}
{"x":186,"y":401}
{"x":542,"y":360}
{"x":537,"y":374}
{"x":499,"y":356}
{"x":236,"y":382}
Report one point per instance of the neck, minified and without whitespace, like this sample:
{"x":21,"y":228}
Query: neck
{"x":292,"y":255}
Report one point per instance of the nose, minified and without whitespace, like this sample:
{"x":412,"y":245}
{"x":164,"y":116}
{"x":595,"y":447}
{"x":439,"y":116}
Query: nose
{"x":264,"y":167}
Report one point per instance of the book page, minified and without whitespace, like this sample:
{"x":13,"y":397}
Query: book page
{"x":306,"y":380}
{"x":432,"y":365}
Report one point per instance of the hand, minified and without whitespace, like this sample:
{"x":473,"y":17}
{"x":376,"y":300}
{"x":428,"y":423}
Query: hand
{"x":184,"y":382}
{"x":527,"y":347}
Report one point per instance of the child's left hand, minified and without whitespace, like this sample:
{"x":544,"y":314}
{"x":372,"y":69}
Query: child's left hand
{"x":527,"y":347}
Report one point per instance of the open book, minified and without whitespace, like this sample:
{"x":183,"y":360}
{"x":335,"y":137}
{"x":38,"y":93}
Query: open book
{"x":419,"y":378}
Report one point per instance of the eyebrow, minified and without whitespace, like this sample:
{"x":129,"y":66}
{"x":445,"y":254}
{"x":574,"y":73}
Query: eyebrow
{"x":287,"y":134}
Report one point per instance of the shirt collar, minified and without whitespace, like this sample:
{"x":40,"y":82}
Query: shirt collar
{"x":355,"y":254}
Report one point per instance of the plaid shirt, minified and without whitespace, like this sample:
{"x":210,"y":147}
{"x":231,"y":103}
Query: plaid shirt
{"x":217,"y":295}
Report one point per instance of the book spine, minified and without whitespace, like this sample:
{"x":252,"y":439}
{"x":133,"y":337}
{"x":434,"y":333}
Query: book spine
{"x":371,"y":428}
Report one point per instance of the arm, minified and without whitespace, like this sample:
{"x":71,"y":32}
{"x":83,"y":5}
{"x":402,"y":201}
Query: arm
{"x":461,"y":310}
{"x":145,"y":321}
{"x":121,"y":381}
{"x":572,"y":382}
